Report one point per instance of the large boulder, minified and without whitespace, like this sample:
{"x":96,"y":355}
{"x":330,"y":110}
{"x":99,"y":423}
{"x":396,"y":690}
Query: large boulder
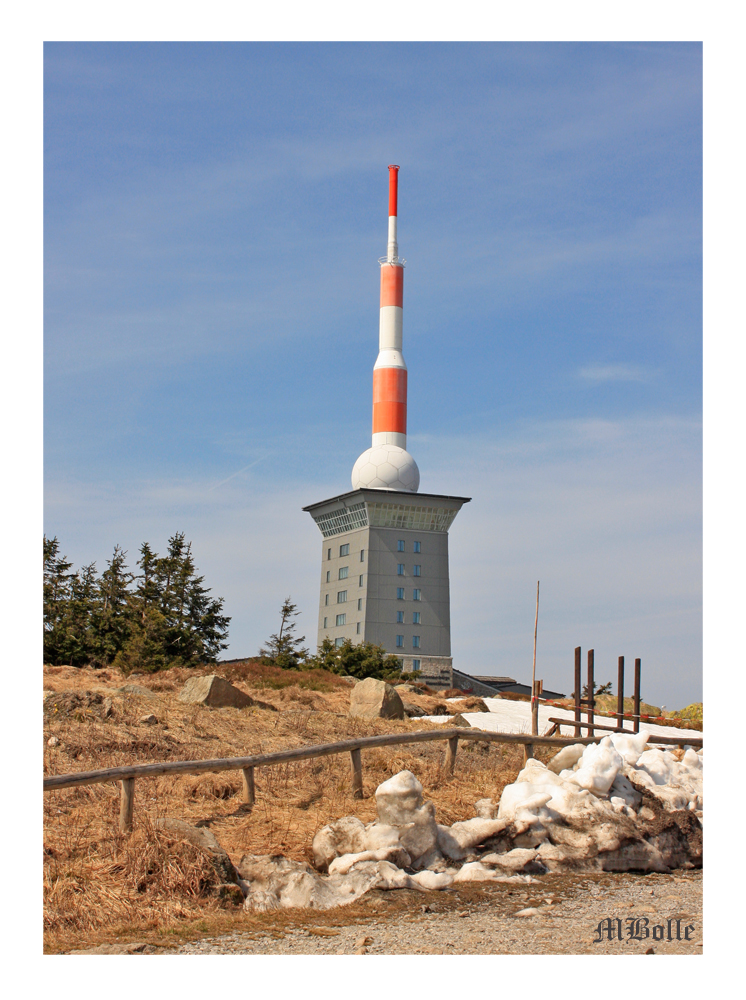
{"x":215,"y":692}
{"x":373,"y":699}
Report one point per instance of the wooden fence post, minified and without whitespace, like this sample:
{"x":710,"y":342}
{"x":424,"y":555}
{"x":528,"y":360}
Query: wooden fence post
{"x":357,"y":774}
{"x":450,"y":758}
{"x":620,"y":692}
{"x":578,"y":689}
{"x":249,"y":789}
{"x":636,"y":709}
{"x":591,"y":686}
{"x":528,"y":752}
{"x":126,"y":804}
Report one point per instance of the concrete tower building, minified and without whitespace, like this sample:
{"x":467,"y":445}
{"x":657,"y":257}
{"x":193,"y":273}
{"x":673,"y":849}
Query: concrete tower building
{"x":384,"y":563}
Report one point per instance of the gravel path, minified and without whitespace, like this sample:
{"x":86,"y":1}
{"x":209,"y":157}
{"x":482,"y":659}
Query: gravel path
{"x":562,"y":918}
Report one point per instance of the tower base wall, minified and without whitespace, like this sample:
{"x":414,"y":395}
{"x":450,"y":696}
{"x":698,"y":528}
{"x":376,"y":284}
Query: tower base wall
{"x":435,"y":671}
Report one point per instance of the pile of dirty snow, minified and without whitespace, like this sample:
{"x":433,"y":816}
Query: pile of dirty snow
{"x":608,"y":806}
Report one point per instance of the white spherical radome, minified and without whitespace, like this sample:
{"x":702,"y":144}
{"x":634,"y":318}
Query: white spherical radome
{"x":386,"y":467}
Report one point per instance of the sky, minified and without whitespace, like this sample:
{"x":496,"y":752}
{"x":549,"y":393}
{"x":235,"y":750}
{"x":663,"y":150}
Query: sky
{"x":213,"y":217}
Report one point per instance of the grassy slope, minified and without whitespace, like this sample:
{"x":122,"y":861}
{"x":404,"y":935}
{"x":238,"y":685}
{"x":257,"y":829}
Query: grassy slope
{"x":99,"y":885}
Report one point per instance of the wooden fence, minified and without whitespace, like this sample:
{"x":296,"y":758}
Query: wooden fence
{"x":127,"y":775}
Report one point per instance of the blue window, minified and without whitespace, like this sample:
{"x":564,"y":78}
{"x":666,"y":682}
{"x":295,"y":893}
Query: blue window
{"x":341,"y":596}
{"x":416,"y":618}
{"x":400,"y":545}
{"x":360,"y":604}
{"x":400,"y":593}
{"x":339,"y":642}
{"x":400,"y":569}
{"x":417,"y":547}
{"x":416,"y":570}
{"x":400,"y":640}
{"x":400,"y":617}
{"x":341,"y":619}
{"x":344,"y":572}
{"x":416,"y":641}
{"x":415,"y":664}
{"x":344,"y":550}
{"x":416,"y":595}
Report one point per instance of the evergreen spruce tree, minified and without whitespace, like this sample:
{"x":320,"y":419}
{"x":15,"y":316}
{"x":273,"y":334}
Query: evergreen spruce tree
{"x":284,"y":648}
{"x":57,"y":578}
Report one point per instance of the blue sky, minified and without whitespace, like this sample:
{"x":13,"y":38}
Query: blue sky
{"x":213,"y":216}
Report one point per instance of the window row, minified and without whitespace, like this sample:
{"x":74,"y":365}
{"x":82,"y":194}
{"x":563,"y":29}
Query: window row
{"x":342,"y":596}
{"x":344,"y":550}
{"x":416,"y":546}
{"x":416,"y":617}
{"x":415,"y":642}
{"x":416,"y":570}
{"x":344,"y":573}
{"x":416,"y":594}
{"x":342,"y":620}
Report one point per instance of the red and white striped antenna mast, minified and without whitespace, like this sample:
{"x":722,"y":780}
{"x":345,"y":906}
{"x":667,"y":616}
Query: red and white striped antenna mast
{"x":387,"y":464}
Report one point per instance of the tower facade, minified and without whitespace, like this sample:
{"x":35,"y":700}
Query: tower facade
{"x":384,"y":565}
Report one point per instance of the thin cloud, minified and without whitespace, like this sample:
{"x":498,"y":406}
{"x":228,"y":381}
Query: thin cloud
{"x":614,"y":373}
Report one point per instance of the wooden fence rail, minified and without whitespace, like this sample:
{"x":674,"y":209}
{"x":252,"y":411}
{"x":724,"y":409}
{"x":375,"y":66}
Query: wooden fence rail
{"x":593,"y":726}
{"x":127,"y":775}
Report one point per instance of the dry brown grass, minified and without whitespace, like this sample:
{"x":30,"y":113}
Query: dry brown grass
{"x":97,"y":882}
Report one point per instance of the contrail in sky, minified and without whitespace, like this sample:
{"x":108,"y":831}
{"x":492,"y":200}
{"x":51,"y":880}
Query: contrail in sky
{"x":224,"y":481}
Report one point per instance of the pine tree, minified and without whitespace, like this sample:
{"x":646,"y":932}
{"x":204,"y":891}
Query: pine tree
{"x":57,"y":580}
{"x":174,"y":621}
{"x":362,"y":660}
{"x":112,"y":623}
{"x":284,"y":648}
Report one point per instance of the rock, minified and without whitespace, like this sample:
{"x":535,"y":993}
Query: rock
{"x":412,"y":711}
{"x":206,"y":841}
{"x":148,"y":720}
{"x":529,"y":911}
{"x":137,"y":689}
{"x":352,"y":681}
{"x":215,"y":692}
{"x":53,"y":741}
{"x":373,"y":699}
